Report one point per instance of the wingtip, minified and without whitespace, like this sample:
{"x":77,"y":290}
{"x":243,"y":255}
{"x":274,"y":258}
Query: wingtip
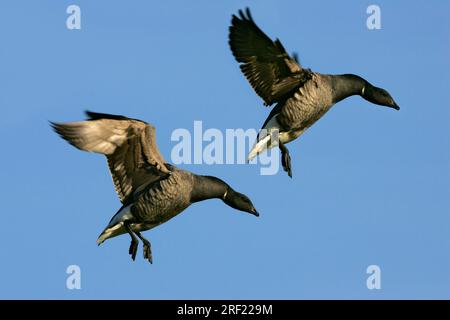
{"x":245,"y":14}
{"x":57,"y":127}
{"x":90,"y":114}
{"x":249,"y":15}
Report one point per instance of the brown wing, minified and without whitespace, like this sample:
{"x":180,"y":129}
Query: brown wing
{"x":265,"y":63}
{"x":129,"y":145}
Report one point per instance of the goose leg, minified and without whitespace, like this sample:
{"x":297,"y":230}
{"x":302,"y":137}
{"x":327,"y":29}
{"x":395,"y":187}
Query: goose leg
{"x":147,"y":249}
{"x":285,"y":159}
{"x":134,"y":241}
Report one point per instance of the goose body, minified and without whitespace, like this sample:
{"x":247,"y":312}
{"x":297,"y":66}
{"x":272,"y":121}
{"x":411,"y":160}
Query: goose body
{"x":151,"y":190}
{"x":157,"y":203}
{"x":301,"y":96}
{"x":293,"y":116}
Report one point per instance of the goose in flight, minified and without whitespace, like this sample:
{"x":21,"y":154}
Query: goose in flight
{"x":151,"y":190}
{"x":301,"y":96}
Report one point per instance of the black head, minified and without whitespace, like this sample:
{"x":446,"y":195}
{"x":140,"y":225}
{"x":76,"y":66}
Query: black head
{"x":239,"y":201}
{"x":378,"y":96}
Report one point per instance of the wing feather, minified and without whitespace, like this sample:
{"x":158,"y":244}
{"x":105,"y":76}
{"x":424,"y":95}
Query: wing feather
{"x":265,"y":63}
{"x":130,"y":146}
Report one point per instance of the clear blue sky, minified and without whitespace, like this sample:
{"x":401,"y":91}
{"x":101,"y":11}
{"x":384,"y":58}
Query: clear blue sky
{"x":371,"y":185}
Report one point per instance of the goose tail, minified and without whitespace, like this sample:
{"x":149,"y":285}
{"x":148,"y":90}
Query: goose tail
{"x":111,"y":232}
{"x":266,"y":140}
{"x":259,"y":147}
{"x":115,"y":226}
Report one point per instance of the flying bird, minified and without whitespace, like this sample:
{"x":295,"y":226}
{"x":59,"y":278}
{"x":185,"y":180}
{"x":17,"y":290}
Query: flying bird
{"x":301,"y":96}
{"x":151,"y":190}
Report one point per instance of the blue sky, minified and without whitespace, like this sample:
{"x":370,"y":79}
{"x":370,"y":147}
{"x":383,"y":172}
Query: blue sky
{"x":371,"y":185}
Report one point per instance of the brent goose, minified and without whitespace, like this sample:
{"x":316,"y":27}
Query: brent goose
{"x":302,"y":97}
{"x":151,"y":190}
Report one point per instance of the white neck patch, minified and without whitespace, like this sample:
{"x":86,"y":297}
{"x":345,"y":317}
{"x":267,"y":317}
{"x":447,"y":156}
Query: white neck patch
{"x":363,"y":89}
{"x":225,"y":195}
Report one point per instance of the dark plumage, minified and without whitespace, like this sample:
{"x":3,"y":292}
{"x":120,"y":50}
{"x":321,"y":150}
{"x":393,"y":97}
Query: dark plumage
{"x":151,"y":190}
{"x":301,"y":96}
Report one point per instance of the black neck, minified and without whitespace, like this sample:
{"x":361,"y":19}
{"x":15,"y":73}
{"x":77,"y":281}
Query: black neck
{"x":207,"y":187}
{"x":346,"y":85}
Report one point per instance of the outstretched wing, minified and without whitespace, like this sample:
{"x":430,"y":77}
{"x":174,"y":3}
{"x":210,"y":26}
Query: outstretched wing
{"x":265,"y":63}
{"x":129,"y":145}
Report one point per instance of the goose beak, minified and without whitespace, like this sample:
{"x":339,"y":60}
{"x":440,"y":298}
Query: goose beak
{"x":395,"y":106}
{"x":254,"y":212}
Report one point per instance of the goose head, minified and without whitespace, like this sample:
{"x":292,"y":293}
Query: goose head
{"x":378,"y":96}
{"x":239,"y":201}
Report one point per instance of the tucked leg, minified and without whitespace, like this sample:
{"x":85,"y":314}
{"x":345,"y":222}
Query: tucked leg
{"x":285,"y":159}
{"x":134,"y":241}
{"x":147,"y":248}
